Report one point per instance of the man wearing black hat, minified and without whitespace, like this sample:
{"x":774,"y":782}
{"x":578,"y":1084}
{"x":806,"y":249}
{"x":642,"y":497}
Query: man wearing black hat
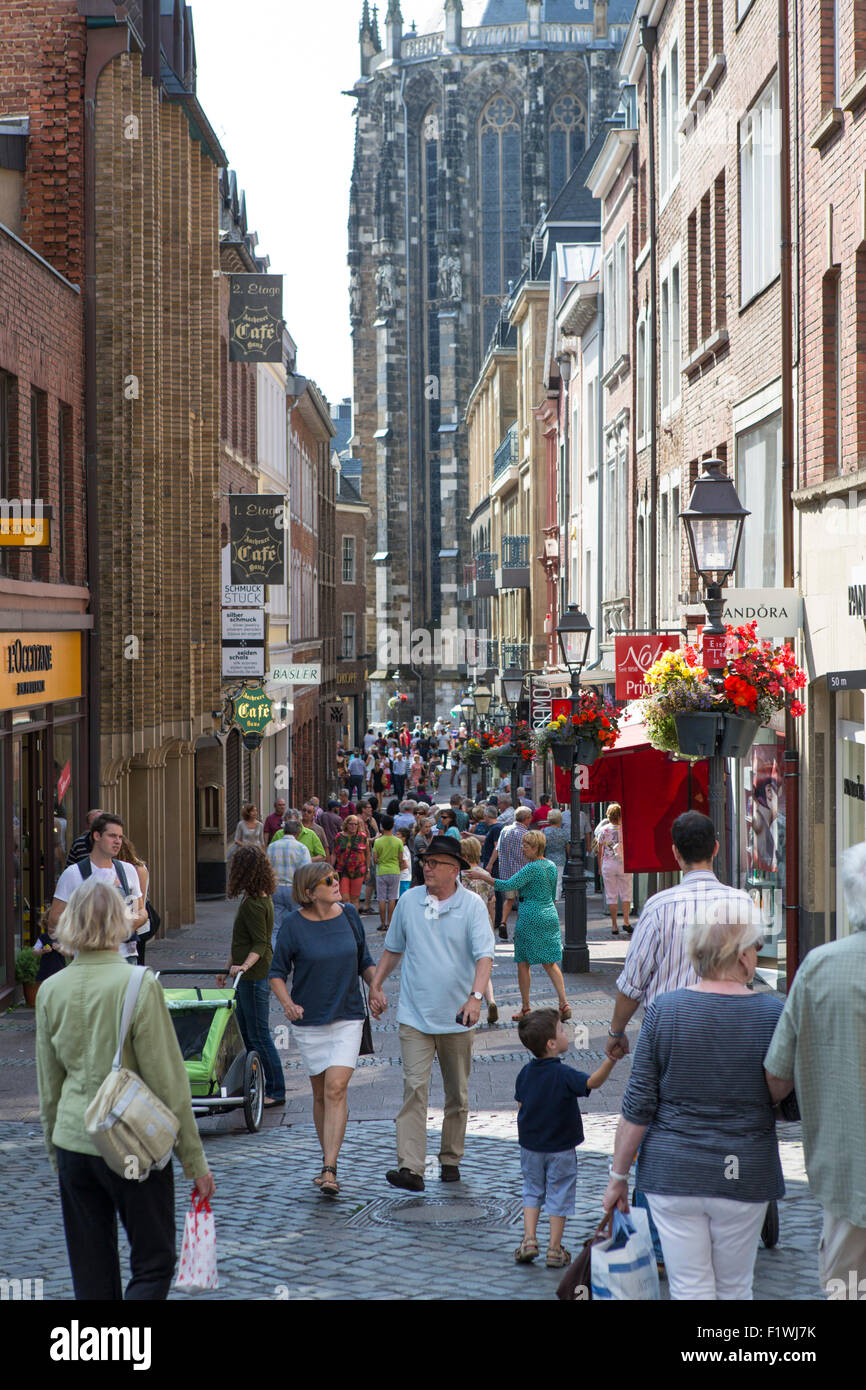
{"x":440,"y":935}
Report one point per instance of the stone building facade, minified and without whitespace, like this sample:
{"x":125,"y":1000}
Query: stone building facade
{"x":465,"y":127}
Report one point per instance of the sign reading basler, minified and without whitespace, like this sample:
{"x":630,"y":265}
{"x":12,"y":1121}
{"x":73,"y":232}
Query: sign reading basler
{"x":634,"y":656}
{"x":257,"y":538}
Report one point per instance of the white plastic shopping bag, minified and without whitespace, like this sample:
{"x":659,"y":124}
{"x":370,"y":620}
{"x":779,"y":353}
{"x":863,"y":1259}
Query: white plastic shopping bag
{"x":198,"y":1255}
{"x":624,"y":1267}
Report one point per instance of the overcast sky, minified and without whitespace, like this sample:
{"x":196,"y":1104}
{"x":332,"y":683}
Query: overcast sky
{"x":270,"y":77}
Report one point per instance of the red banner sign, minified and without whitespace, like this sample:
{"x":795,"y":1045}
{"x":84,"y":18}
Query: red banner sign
{"x":63,"y":783}
{"x":634,"y":656}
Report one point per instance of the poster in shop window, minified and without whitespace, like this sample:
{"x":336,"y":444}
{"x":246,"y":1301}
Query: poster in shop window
{"x":255,"y":318}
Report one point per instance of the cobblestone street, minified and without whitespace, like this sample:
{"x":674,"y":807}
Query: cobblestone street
{"x":279,"y":1239}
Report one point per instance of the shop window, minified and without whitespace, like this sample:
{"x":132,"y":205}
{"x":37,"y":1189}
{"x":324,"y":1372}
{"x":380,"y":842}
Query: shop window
{"x":209,"y":810}
{"x":759,"y":485}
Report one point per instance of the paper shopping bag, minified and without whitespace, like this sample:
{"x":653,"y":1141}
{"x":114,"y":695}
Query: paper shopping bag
{"x":624,"y":1267}
{"x":198,"y":1255}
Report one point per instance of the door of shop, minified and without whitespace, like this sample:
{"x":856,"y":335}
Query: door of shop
{"x":32,"y":834}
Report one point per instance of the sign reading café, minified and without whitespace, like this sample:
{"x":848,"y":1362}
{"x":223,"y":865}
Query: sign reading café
{"x":257,"y":534}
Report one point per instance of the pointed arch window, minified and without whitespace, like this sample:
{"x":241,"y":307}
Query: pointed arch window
{"x":499,"y":161}
{"x":567,"y":140}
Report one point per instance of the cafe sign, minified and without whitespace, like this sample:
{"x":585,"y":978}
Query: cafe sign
{"x":257,"y":538}
{"x":252,"y":710}
{"x":255,"y":318}
{"x":39,"y":667}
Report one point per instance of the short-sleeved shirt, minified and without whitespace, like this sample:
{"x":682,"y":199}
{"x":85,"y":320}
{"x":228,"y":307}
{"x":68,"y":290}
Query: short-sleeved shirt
{"x":441,"y":944}
{"x":820,"y":1041}
{"x":72,"y":878}
{"x":324,"y":960}
{"x":287,"y":856}
{"x":313,"y":842}
{"x":388,"y":853}
{"x":548,"y":1120}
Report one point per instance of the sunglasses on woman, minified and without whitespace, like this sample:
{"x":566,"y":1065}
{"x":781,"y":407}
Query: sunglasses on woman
{"x":329,"y":881}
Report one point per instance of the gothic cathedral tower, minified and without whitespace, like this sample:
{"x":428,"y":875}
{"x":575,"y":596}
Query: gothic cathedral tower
{"x":465,"y":128}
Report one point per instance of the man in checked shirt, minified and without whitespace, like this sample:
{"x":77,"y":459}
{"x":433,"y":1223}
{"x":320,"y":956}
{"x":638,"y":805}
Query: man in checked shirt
{"x":657,"y":960}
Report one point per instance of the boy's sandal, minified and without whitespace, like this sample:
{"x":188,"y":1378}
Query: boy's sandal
{"x":515,"y":1018}
{"x":558,"y":1259}
{"x":526,"y":1252}
{"x":329,"y":1187}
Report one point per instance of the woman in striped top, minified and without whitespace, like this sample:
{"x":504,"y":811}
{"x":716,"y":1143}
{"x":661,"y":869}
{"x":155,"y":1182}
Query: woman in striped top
{"x":698,"y":1106}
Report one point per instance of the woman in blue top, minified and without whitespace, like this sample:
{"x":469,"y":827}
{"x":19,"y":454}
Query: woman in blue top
{"x":538,"y":935}
{"x":323,"y":947}
{"x":448,"y":822}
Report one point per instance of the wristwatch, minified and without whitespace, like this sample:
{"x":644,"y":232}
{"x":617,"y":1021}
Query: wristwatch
{"x":476,"y":995}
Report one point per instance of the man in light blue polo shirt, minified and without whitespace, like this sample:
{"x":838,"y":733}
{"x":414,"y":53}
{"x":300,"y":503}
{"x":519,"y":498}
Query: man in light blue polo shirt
{"x":441,"y":936}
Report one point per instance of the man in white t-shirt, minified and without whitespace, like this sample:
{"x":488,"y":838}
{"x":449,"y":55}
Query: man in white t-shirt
{"x":369,"y":740}
{"x":107,"y":835}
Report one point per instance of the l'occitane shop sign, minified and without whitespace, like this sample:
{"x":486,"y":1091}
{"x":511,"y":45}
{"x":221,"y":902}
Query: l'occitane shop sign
{"x":37,"y":668}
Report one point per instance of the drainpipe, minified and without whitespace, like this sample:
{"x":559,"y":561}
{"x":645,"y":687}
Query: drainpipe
{"x":789,"y":482}
{"x":409,"y":441}
{"x":599,"y":474}
{"x":648,"y":43}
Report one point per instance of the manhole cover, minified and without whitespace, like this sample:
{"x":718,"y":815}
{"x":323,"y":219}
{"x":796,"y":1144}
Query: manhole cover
{"x":435,"y":1212}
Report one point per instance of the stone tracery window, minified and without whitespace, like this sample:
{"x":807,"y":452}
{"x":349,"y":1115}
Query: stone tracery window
{"x":500,"y":178}
{"x":567,"y":140}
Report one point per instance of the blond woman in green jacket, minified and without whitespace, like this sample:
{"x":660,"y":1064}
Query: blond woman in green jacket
{"x":78,"y":1016}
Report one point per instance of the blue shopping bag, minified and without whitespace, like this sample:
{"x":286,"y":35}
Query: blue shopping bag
{"x":624,"y":1267}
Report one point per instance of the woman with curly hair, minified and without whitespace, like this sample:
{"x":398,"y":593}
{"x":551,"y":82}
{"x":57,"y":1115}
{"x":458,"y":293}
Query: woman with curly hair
{"x":252,"y":879}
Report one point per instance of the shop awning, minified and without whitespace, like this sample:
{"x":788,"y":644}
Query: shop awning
{"x":652,"y":788}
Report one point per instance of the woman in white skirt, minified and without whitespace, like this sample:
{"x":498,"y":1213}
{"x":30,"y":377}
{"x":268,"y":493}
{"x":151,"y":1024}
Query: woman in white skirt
{"x":617,"y":883}
{"x":323,"y":947}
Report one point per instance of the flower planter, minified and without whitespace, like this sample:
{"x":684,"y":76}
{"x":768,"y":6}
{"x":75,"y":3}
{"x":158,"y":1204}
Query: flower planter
{"x":31,"y":988}
{"x":473,"y":763}
{"x":563,"y":751}
{"x":586,"y":750}
{"x":738,"y":735}
{"x":696,"y":733}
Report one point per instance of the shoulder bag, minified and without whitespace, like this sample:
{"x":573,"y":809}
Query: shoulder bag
{"x":366,"y":1049}
{"x":130,"y":1126}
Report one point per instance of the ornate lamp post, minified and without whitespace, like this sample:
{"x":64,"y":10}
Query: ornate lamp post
{"x":482,"y":698}
{"x":574,"y":632}
{"x":713,"y":523}
{"x":467,"y":705}
{"x":512,"y":687}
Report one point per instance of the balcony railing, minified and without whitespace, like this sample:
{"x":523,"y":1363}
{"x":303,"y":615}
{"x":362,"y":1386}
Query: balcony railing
{"x":484,"y":654}
{"x":515,"y":654}
{"x":469,"y":573}
{"x":515,"y":552}
{"x":506,"y":453}
{"x":485,"y":564}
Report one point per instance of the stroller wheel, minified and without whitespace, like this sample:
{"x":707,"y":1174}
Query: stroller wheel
{"x":254,"y":1091}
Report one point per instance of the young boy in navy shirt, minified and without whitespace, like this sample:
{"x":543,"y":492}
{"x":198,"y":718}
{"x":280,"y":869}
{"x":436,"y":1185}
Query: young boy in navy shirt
{"x":549,"y":1128}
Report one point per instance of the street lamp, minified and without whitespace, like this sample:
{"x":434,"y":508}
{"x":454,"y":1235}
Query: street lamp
{"x":512,"y":687}
{"x":713,"y":522}
{"x":482,"y":697}
{"x":467,"y":705}
{"x":574,"y":633}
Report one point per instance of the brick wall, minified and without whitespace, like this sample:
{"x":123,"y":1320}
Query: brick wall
{"x":42,"y":48}
{"x":42,"y":349}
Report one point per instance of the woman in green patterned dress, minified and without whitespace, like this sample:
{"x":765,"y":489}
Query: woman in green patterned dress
{"x":537,"y":936}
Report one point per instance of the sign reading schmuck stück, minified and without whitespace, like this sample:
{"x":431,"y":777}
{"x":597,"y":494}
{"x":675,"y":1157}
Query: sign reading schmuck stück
{"x":257,"y":533}
{"x":255,"y":318}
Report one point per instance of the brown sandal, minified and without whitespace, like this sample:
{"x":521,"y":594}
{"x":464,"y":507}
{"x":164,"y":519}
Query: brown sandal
{"x":515,"y":1018}
{"x":565,"y":1012}
{"x":329,"y":1187}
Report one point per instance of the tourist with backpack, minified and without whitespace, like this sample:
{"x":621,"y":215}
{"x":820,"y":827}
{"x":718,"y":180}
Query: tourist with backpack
{"x":104,"y":862}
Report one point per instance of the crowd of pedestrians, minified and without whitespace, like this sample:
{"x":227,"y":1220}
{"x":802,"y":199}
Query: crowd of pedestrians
{"x":714,"y":1060}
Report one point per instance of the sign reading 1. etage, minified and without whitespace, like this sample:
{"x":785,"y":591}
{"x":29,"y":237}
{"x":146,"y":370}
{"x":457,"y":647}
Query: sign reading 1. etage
{"x":634,"y":656}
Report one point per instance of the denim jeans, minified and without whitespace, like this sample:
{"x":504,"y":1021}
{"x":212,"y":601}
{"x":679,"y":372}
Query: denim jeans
{"x":253,"y":1000}
{"x":284,"y":904}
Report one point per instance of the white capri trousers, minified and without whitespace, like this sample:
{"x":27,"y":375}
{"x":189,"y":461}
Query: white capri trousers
{"x":709,"y":1245}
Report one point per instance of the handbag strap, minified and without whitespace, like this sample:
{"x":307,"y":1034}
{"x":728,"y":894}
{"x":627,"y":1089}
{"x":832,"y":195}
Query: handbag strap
{"x":137,"y":973}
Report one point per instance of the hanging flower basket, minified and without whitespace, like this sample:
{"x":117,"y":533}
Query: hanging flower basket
{"x":697,"y":733}
{"x":586,"y":751}
{"x":563,"y":751}
{"x":738,"y":735}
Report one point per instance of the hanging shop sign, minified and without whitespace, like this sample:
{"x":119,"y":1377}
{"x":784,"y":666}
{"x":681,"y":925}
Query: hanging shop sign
{"x":308,"y":674}
{"x":714,"y":645}
{"x":255,"y":318}
{"x":857,"y":593}
{"x":243,"y":595}
{"x":335,"y":714}
{"x":778,"y":612}
{"x":243,"y":624}
{"x":252,"y":710}
{"x":635,"y":654}
{"x":257,"y":538}
{"x":246,"y":660}
{"x":38,"y":667}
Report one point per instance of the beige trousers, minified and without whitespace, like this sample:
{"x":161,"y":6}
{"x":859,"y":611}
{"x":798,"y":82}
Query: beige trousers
{"x":454,"y":1051}
{"x":842,"y":1258}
